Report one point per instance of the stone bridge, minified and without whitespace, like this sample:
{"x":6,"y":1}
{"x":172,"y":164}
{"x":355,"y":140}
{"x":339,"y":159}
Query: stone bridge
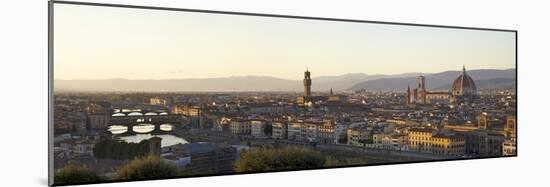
{"x":131,"y":119}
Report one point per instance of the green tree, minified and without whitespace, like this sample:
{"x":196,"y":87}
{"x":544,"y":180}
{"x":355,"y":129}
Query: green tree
{"x":268,"y":130}
{"x":76,"y":174}
{"x":332,"y":162}
{"x":150,"y":167}
{"x":269,"y":159}
{"x":119,"y":150}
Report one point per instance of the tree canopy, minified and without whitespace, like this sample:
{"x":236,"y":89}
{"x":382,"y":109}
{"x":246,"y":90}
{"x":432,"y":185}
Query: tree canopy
{"x":75,"y":174}
{"x":287,"y":158}
{"x":150,"y":167}
{"x":119,"y":150}
{"x":334,"y":162}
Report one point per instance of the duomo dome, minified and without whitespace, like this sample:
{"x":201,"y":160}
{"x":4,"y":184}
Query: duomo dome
{"x":464,"y":84}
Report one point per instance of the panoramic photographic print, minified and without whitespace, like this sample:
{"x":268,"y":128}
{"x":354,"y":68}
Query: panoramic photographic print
{"x":143,"y":93}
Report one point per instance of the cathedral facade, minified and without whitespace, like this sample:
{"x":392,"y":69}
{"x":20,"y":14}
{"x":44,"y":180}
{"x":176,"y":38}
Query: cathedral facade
{"x":463,"y":90}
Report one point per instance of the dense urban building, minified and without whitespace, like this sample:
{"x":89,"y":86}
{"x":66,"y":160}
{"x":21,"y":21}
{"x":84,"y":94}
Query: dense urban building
{"x":212,"y":129}
{"x":358,"y":136}
{"x":279,"y":129}
{"x":241,"y":126}
{"x":429,"y":140}
{"x":201,"y":158}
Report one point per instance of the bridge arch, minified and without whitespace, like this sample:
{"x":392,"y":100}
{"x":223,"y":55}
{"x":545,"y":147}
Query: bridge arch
{"x":135,"y":114}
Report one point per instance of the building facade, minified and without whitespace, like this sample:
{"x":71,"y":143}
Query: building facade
{"x":241,"y":127}
{"x":296,"y":131}
{"x":509,"y":147}
{"x":279,"y":130}
{"x":257,"y":128}
{"x":358,"y":136}
{"x":99,"y":121}
{"x":326,"y":133}
{"x":429,"y":140}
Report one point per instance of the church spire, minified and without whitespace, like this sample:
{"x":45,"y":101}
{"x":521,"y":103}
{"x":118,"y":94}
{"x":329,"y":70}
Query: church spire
{"x":463,"y":69}
{"x":331,"y":92}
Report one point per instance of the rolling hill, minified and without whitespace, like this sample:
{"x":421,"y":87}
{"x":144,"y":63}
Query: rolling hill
{"x":485,"y":78}
{"x":353,"y":81}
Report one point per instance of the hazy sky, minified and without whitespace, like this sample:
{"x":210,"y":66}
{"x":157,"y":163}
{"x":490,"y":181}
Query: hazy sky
{"x":104,"y":42}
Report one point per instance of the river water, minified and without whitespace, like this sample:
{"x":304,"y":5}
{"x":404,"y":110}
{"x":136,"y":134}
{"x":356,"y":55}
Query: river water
{"x":167,"y":139}
{"x":144,"y":132}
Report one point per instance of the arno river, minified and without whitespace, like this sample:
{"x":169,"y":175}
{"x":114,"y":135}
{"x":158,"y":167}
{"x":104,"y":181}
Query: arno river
{"x":143,"y":132}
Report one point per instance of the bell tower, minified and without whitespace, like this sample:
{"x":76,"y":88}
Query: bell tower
{"x":307,"y":83}
{"x":421,"y":89}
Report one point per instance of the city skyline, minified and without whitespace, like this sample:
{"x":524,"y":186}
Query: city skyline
{"x":141,"y":94}
{"x":257,"y":46}
{"x":490,"y":79}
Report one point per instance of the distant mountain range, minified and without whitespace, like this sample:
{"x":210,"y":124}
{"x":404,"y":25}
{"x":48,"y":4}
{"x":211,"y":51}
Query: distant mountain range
{"x":484,"y":78}
{"x":353,"y":81}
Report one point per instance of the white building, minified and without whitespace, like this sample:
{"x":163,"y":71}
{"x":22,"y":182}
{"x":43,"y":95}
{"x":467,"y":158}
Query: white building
{"x":296,"y":131}
{"x":279,"y":131}
{"x":258,"y":128}
{"x":240,"y":126}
